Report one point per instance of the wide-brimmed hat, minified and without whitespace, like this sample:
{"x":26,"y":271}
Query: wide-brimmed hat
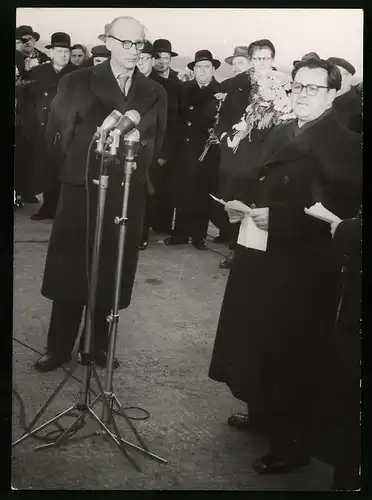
{"x":306,"y":57}
{"x":338,"y":61}
{"x":240,"y":51}
{"x":162,"y":45}
{"x":25,"y":30}
{"x":204,"y":55}
{"x":60,"y":39}
{"x":100,"y":51}
{"x":103,"y":36}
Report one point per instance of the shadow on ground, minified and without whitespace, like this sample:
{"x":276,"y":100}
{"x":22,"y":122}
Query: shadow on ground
{"x":165,"y":343}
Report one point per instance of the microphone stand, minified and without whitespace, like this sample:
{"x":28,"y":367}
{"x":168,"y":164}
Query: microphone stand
{"x":106,"y":395}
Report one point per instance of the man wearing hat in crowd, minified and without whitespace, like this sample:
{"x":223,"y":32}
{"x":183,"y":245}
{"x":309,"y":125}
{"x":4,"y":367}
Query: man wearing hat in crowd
{"x":348,"y":102}
{"x":39,"y":95}
{"x":146,"y":60}
{"x":159,"y":210}
{"x":100,"y":54}
{"x":194,"y":177}
{"x":239,"y":60}
{"x":28,"y":38}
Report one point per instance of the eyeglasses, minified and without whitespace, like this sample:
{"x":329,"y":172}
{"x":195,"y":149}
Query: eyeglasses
{"x":311,"y":89}
{"x":144,"y":59}
{"x":128,"y":44}
{"x":263,"y":59}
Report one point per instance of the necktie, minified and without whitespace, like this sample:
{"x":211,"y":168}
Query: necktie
{"x":122,"y":80}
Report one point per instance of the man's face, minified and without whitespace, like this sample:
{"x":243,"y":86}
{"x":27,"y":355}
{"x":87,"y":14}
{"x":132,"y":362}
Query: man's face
{"x":28,"y":44}
{"x":309,"y":107}
{"x":77,"y":57}
{"x":240,"y":64}
{"x":346,"y":81}
{"x":162,"y":62}
{"x":99,"y":60}
{"x":125,"y":29}
{"x":60,"y":56}
{"x":145,"y":63}
{"x":262,"y":60}
{"x":203,"y":71}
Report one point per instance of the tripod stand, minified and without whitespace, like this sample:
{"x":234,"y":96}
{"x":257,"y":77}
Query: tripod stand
{"x":107,"y":423}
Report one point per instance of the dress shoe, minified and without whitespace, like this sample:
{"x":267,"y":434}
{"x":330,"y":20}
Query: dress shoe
{"x":227,"y":261}
{"x":175,"y":240}
{"x":240,"y":421}
{"x":49,"y":362}
{"x":30,"y":199}
{"x":200,"y":244}
{"x":143,"y":245}
{"x":41,"y":216}
{"x":268,"y":464}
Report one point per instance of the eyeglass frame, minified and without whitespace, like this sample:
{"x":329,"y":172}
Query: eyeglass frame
{"x":128,"y":41}
{"x":317,"y":87}
{"x":258,"y":59}
{"x":141,"y":59}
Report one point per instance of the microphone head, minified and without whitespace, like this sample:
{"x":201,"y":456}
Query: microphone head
{"x":133,"y":115}
{"x":111,"y":120}
{"x":132,"y":136}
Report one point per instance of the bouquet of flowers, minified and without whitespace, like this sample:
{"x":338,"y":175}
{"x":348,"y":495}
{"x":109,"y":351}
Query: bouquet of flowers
{"x":270,"y":106}
{"x":213,"y":139}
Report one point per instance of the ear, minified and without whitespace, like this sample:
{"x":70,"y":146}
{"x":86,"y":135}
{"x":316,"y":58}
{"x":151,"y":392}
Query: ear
{"x":109,"y":43}
{"x":331,"y":96}
{"x":51,"y":53}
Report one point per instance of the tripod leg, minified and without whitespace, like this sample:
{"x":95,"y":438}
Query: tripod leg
{"x":130,"y":424}
{"x":54,"y":419}
{"x":47,"y":404}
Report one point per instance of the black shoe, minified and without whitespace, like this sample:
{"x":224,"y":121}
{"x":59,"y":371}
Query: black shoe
{"x":227,"y":261}
{"x":200,"y":244}
{"x":240,"y":421}
{"x":49,"y":362}
{"x":268,"y":464}
{"x":143,"y":245}
{"x":175,"y":240}
{"x":30,"y":199}
{"x":41,"y":216}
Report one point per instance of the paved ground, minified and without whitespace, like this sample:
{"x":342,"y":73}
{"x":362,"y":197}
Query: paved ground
{"x":164,"y":345}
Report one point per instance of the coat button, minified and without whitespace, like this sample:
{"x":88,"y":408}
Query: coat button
{"x":187,"y":139}
{"x":42,"y":124}
{"x":45,"y":93}
{"x":191,"y":107}
{"x":189,"y":124}
{"x":45,"y":108}
{"x":261,"y":179}
{"x":285,"y":179}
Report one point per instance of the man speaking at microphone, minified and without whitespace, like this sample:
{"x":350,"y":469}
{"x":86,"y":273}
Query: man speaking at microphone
{"x":84,"y":100}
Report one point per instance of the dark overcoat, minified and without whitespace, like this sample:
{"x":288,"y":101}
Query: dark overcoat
{"x":349,"y":109}
{"x":192,"y":179}
{"x":38,"y":97}
{"x":237,"y":169}
{"x":83,"y":101}
{"x":276,"y":322}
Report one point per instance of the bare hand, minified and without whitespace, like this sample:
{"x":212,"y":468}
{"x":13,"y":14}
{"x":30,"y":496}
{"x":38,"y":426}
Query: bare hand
{"x":334,"y":226}
{"x":161,"y":161}
{"x":234,"y":215}
{"x":260,"y":217}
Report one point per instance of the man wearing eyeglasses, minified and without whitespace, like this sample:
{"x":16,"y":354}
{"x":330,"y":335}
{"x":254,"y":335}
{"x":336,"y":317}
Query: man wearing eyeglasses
{"x":274,"y":341}
{"x":84,"y":99}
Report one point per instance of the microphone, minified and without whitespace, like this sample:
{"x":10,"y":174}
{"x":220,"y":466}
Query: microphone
{"x":126,"y":123}
{"x":108,"y":124}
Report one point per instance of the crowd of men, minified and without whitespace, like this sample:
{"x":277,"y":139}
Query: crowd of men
{"x":280,"y":306}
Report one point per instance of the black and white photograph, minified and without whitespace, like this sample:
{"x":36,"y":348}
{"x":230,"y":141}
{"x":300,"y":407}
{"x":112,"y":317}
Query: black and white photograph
{"x":187,"y":249}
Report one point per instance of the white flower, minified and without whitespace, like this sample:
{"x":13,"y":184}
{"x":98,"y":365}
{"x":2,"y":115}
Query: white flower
{"x":220,"y":96}
{"x":242,"y":125}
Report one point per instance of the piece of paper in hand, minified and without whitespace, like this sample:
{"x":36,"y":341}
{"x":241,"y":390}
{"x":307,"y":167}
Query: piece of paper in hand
{"x":251,"y":236}
{"x":233,"y":204}
{"x":320,"y":212}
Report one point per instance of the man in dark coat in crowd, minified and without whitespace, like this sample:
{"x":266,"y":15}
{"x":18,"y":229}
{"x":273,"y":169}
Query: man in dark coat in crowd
{"x":276,"y":328}
{"x":348,"y":103}
{"x":84,"y":99}
{"x":193,"y":178}
{"x":40,"y":93}
{"x":33,"y":56}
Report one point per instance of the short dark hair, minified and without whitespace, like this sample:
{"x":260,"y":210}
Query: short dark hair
{"x":261,"y":44}
{"x":333,"y":73}
{"x":81,"y":47}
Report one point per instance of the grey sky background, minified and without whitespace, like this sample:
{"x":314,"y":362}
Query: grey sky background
{"x":330,"y":32}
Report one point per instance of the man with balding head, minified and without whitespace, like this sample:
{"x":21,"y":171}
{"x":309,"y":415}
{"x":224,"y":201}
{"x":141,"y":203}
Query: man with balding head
{"x":84,"y":99}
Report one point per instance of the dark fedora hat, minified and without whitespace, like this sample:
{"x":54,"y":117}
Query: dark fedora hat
{"x":162,"y":45}
{"x":204,"y":55}
{"x":25,"y":30}
{"x":148,"y":48}
{"x":100,"y":51}
{"x":59,"y":39}
{"x":306,"y":57}
{"x":240,"y":51}
{"x":338,"y":61}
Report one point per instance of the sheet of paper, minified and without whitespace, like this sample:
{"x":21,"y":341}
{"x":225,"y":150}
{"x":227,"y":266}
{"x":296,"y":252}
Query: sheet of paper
{"x":233,"y":204}
{"x":320,"y":212}
{"x":250,"y":236}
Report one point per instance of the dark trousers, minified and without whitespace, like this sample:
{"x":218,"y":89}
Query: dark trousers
{"x":50,"y":198}
{"x":191,"y":224}
{"x":159,"y":211}
{"x":64,"y":329}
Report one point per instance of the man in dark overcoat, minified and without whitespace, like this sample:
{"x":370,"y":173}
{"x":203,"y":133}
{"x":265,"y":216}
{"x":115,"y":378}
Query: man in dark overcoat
{"x":84,"y":99}
{"x":275,"y":332}
{"x":32,"y":55}
{"x":39,"y":95}
{"x":193,"y":178}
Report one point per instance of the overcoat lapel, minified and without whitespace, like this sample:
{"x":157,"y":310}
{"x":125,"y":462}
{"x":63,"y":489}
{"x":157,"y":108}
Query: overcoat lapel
{"x":105,"y":87}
